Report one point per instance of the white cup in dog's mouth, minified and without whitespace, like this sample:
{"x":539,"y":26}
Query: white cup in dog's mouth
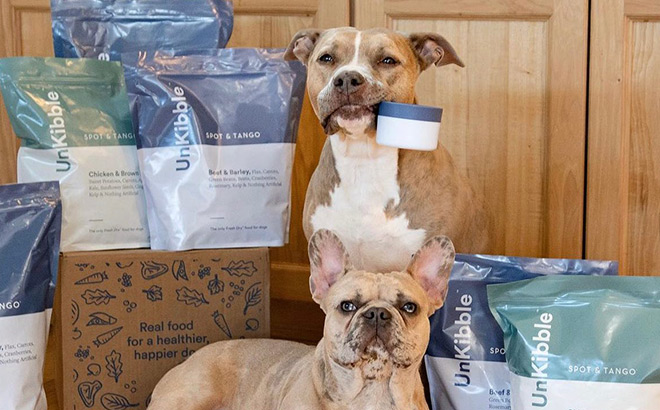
{"x":408,"y":126}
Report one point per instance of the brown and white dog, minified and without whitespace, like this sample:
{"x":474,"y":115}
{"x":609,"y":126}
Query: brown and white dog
{"x":376,"y":332}
{"x":382,"y":202}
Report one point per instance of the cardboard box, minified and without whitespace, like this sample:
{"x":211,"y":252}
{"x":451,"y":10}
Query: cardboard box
{"x":127,"y":317}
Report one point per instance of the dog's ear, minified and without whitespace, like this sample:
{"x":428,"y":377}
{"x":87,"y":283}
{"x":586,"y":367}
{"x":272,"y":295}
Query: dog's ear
{"x":302,"y":45}
{"x":431,"y":267}
{"x":328,"y":261}
{"x":433,"y":49}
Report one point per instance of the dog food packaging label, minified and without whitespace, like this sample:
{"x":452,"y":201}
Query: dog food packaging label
{"x":588,"y":343}
{"x":73,"y":119}
{"x":465,"y":360}
{"x":103,"y":29}
{"x":128,"y":317}
{"x":216,"y":138}
{"x":30,"y":218}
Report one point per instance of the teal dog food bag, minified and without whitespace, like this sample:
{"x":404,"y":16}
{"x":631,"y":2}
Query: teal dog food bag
{"x":581,"y":343}
{"x":465,"y":359}
{"x":73,"y":119}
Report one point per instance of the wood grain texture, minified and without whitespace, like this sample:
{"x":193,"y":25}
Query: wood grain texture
{"x":643,"y":241}
{"x":623,"y":185}
{"x":25,"y":29}
{"x":514,"y":117}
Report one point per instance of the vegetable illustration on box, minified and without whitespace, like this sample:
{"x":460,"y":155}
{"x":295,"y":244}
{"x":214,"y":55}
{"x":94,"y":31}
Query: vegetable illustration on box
{"x":190,"y":297}
{"x":252,"y":297}
{"x":97,"y":277}
{"x":129,"y":336}
{"x":97,"y":297}
{"x":114,"y":365}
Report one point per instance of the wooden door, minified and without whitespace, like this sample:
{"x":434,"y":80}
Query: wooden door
{"x":514,"y":118}
{"x":623,"y":184}
{"x":26,"y":31}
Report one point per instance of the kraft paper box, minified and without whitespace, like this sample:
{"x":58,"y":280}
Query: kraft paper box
{"x":127,"y":317}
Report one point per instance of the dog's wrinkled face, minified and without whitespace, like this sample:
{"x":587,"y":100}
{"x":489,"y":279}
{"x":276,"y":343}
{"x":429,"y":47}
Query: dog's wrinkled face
{"x":351,"y":71}
{"x":378,"y":321}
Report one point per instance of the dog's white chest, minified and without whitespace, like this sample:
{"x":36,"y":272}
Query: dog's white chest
{"x":356,"y":213}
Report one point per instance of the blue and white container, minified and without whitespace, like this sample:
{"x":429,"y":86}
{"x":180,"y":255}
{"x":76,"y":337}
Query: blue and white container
{"x":408,"y":126}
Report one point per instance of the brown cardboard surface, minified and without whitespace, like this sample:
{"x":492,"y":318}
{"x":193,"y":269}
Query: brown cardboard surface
{"x":127,"y":317}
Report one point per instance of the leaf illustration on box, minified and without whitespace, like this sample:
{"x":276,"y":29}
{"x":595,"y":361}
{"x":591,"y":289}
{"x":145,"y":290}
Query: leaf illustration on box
{"x":179,"y":270}
{"x":104,"y":338}
{"x":154,"y":293}
{"x":151,"y":270}
{"x":112,"y":401}
{"x":221,"y":322}
{"x":94,"y":278}
{"x":216,"y":286}
{"x":252,"y":297}
{"x":240,"y":268}
{"x":87,"y":392}
{"x":114,"y":365}
{"x":97,"y":297}
{"x":101,"y":319}
{"x":75,"y":312}
{"x":190,"y":297}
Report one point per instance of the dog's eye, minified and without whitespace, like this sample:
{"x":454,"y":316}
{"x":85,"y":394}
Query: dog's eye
{"x":388,"y":61}
{"x":409,"y":308}
{"x":347,"y":306}
{"x":326,"y":58}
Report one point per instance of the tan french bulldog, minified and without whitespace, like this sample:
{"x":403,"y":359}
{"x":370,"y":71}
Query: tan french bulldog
{"x":383,"y":202}
{"x":376,"y":332}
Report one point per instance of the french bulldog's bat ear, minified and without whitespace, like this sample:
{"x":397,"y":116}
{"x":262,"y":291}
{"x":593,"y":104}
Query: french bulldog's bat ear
{"x":302,"y":45}
{"x":328,"y":261}
{"x":433,"y":49}
{"x":431,"y":267}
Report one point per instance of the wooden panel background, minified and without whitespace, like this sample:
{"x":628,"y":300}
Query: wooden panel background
{"x":624,"y":147}
{"x":514,"y":117}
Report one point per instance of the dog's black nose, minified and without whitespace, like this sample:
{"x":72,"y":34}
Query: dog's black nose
{"x":375,"y":314}
{"x":349,"y":81}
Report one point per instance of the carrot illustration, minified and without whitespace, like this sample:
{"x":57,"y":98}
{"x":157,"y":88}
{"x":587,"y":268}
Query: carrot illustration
{"x":97,"y":277}
{"x":104,"y":338}
{"x":221,"y":322}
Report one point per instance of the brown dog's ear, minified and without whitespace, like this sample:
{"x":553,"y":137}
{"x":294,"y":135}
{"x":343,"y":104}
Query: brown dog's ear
{"x":302,"y":45}
{"x":328,"y":261}
{"x":431,"y":267}
{"x":433,"y":49}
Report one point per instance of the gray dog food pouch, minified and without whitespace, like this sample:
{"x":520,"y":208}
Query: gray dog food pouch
{"x":465,"y":360}
{"x":73,"y":119}
{"x":104,"y":29}
{"x":30,"y":218}
{"x":216,"y":138}
{"x":587,"y":343}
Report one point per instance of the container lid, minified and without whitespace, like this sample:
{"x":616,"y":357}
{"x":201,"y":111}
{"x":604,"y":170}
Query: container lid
{"x":410,"y":111}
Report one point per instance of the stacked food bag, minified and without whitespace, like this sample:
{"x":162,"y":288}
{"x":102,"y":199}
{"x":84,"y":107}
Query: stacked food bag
{"x":166,"y":162}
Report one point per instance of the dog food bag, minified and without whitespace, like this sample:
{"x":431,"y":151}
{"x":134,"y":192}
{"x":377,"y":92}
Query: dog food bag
{"x":465,"y":360}
{"x":216,"y":140}
{"x":588,"y":343}
{"x":75,"y":126}
{"x":104,"y":29}
{"x":30,"y":218}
